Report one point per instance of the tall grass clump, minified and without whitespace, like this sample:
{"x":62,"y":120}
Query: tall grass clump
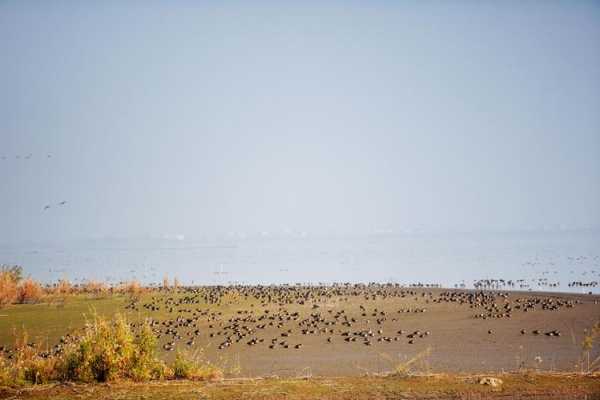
{"x":589,"y":343}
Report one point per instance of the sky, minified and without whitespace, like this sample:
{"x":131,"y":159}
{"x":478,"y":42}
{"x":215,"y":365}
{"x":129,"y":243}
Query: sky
{"x":201,"y":118}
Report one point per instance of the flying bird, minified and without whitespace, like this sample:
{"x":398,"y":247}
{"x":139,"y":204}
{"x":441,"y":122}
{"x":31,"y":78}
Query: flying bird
{"x":62,"y":203}
{"x":47,"y":207}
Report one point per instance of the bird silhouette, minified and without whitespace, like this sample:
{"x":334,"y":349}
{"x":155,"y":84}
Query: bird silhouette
{"x":47,"y":207}
{"x":62,"y":203}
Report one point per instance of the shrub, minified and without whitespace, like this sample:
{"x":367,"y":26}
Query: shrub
{"x":144,"y":364}
{"x":132,"y":288}
{"x":187,"y":368}
{"x":108,"y":351}
{"x":98,"y":289}
{"x":15,"y":272}
{"x":38,"y":370}
{"x":182,"y":368}
{"x":29,"y":291}
{"x":5,"y":372}
{"x":26,"y":364}
{"x":63,"y":287}
{"x":8,"y":288}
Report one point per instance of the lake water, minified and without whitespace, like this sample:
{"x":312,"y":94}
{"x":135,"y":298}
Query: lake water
{"x":540,"y":261}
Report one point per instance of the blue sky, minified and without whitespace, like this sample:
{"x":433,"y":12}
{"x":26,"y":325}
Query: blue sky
{"x":210,"y":117}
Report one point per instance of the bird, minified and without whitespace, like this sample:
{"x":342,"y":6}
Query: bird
{"x":46,"y":207}
{"x":62,"y":203}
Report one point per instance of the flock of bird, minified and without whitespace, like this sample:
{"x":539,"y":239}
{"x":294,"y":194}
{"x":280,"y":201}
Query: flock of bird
{"x":19,"y":156}
{"x":279,"y":317}
{"x":62,"y":203}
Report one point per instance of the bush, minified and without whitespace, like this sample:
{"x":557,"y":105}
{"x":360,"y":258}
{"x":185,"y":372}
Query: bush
{"x":29,"y":291}
{"x":15,"y":272}
{"x":5,"y":372}
{"x":182,"y":368}
{"x":38,"y":370}
{"x":8,"y":288}
{"x":132,"y":288}
{"x":63,"y":287}
{"x":144,"y":364}
{"x":110,"y":350}
{"x":98,"y":289}
{"x":186,"y":368}
{"x":26,"y":365}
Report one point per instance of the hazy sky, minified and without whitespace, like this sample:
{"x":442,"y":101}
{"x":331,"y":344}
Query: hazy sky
{"x":201,"y":118}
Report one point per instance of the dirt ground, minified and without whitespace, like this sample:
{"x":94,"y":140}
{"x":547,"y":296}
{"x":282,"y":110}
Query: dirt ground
{"x":512,"y":386}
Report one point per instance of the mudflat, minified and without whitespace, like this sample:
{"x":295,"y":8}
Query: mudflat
{"x":295,"y":331}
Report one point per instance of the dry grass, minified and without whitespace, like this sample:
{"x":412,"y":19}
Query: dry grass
{"x":410,"y":366}
{"x":358,"y":388}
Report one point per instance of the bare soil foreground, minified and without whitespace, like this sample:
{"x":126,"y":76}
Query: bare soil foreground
{"x":513,"y":386}
{"x":345,"y":331}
